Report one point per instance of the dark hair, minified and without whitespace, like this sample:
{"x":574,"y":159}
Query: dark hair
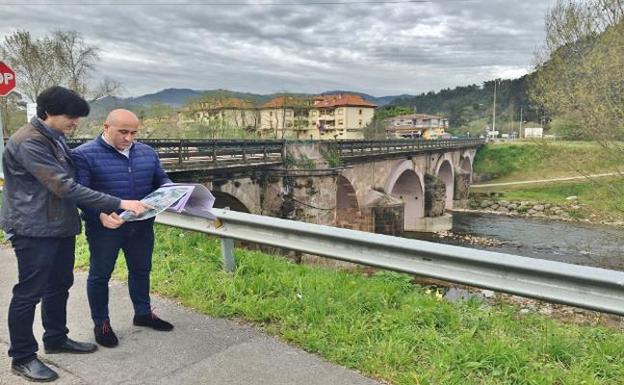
{"x":58,"y":100}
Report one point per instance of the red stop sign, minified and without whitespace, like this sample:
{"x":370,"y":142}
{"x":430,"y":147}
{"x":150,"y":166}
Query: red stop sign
{"x":7,"y":79}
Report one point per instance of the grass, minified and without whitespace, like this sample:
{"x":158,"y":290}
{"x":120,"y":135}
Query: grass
{"x":508,"y":162}
{"x":383,"y":325}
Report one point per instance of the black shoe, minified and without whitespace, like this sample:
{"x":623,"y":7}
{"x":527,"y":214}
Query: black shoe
{"x":71,"y":346}
{"x":34,"y":370}
{"x":105,"y":336}
{"x":152,"y":321}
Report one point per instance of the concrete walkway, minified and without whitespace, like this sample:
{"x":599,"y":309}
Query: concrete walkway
{"x":201,"y":350}
{"x":561,"y":179}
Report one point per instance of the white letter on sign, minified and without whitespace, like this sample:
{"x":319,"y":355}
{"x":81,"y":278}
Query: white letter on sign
{"x":6,"y":78}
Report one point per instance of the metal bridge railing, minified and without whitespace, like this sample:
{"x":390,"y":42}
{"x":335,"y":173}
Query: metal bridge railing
{"x":582,"y":286}
{"x":211,"y":150}
{"x":348,"y":148}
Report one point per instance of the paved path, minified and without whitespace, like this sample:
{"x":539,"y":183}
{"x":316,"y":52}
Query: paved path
{"x":544,"y":180}
{"x":201,"y":350}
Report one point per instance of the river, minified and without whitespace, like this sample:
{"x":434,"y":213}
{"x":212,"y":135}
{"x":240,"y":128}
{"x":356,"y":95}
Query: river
{"x":572,"y":242}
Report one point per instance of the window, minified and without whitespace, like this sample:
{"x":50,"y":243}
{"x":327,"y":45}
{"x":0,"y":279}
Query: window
{"x":360,"y":122}
{"x":360,"y":112}
{"x":340,"y":122}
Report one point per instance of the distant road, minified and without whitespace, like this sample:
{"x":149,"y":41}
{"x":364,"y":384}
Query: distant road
{"x":544,"y":180}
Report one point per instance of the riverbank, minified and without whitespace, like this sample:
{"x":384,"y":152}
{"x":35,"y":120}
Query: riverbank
{"x":598,"y":202}
{"x":569,"y":210}
{"x":550,"y":180}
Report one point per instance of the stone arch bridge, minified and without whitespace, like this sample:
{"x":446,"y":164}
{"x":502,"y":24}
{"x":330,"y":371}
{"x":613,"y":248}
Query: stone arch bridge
{"x":381,"y":186}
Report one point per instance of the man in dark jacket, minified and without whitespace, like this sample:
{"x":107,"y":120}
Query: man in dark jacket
{"x":40,"y":218}
{"x":114,"y":164}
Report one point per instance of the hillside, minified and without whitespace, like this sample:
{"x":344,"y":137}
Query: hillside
{"x":469,"y":108}
{"x":177,"y":97}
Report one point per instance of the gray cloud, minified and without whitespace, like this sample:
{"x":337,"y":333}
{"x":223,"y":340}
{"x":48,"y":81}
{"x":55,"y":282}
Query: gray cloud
{"x":381,"y":49}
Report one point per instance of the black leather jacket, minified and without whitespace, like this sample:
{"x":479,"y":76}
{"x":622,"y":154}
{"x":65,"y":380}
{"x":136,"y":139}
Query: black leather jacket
{"x":40,"y":193}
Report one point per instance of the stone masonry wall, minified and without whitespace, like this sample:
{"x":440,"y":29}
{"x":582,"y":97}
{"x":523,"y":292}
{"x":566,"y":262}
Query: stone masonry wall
{"x":389,"y":220}
{"x":435,"y":196}
{"x":462,"y":186}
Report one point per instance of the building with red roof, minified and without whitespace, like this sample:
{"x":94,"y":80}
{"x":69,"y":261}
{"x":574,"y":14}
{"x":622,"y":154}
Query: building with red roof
{"x":341,"y":116}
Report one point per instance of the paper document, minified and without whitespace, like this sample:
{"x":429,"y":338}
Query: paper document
{"x":191,"y":199}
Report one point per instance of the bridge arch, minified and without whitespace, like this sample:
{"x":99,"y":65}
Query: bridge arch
{"x":347,"y":206}
{"x":406,"y":184}
{"x":465,"y":166}
{"x":223,"y":199}
{"x":446,"y":173}
{"x":346,"y":197}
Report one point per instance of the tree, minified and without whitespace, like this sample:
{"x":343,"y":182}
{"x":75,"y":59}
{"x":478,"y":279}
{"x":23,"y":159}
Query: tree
{"x":63,"y":58}
{"x":33,"y":61}
{"x":580,"y":74}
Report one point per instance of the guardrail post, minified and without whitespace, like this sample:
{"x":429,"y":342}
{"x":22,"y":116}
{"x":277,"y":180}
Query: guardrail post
{"x":180,"y":159}
{"x":227,"y":252}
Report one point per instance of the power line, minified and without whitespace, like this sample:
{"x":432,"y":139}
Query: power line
{"x":238,"y":3}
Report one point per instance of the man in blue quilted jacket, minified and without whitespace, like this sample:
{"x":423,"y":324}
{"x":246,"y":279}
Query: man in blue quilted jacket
{"x":117,"y":165}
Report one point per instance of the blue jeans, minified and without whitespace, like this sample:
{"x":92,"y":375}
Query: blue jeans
{"x":136,"y":239}
{"x":45,"y":269}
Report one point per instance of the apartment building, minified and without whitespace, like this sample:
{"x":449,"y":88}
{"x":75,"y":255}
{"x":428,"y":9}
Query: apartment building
{"x":287,"y":117}
{"x":341,"y":116}
{"x":417,"y":125}
{"x":221,"y":112}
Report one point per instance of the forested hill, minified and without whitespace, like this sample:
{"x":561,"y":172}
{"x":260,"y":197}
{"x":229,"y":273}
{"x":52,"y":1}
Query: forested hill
{"x":467,"y":104}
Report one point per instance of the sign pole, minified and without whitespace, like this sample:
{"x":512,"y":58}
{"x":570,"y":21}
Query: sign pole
{"x":7,"y":84}
{"x":1,"y":151}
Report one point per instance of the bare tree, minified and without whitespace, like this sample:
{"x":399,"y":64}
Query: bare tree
{"x":106,"y":87}
{"x":33,"y":62}
{"x":77,"y":59}
{"x":63,"y":58}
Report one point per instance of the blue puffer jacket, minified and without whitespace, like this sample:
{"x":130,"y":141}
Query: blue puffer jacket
{"x":101,"y":167}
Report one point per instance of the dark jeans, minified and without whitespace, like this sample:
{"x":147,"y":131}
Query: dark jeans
{"x":136,"y":239}
{"x":45,"y":272}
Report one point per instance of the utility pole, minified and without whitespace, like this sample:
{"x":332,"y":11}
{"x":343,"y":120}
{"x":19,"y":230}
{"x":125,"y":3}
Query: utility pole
{"x":494,"y":109}
{"x":520,"y":133}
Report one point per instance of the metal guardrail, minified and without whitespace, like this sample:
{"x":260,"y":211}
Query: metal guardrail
{"x":582,"y":286}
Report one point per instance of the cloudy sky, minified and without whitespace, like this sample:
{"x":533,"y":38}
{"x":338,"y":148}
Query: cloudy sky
{"x":378,"y":47}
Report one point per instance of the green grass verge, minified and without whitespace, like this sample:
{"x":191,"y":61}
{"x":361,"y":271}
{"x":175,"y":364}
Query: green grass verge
{"x":520,"y":161}
{"x":383,"y":325}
